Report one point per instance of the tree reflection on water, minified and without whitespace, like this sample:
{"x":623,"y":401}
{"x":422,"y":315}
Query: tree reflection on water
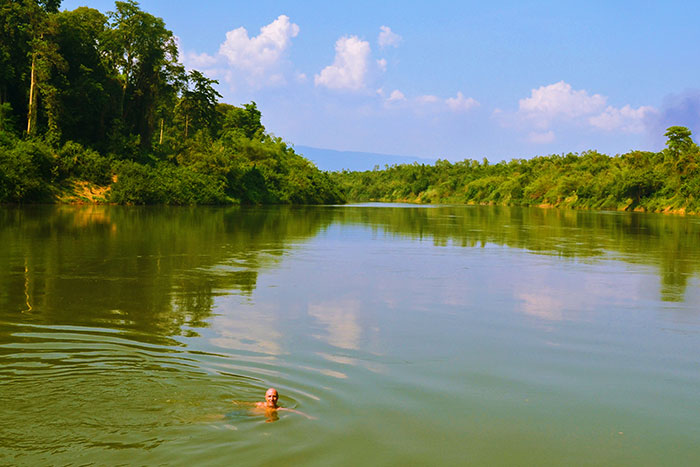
{"x":155,"y":272}
{"x":149,"y":271}
{"x":670,"y":243}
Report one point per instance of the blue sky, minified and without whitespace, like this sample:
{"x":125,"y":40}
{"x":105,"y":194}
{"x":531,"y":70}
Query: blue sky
{"x":449,"y":79}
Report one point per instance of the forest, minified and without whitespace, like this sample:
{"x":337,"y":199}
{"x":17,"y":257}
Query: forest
{"x":96,"y":107}
{"x":665,"y":181}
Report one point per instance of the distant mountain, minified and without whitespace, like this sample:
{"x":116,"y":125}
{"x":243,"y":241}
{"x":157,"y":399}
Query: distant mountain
{"x":332,"y":160}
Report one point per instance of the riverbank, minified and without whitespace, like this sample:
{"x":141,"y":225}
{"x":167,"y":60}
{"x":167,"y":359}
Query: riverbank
{"x":666,"y":181}
{"x":629,"y":207}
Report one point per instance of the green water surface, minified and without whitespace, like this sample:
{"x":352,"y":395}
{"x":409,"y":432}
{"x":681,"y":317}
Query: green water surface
{"x":411,"y":335}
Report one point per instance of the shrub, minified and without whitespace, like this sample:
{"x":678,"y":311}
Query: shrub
{"x":85,"y":164}
{"x":27,"y":168}
{"x":165,"y":184}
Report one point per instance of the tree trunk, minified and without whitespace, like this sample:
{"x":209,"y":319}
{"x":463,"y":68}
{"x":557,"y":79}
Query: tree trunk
{"x":31,"y":114}
{"x":160,"y":140}
{"x":122,"y":103}
{"x":187,"y":124}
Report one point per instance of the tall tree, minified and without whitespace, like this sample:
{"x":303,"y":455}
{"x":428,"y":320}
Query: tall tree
{"x":45,"y":56}
{"x":197,"y":106}
{"x":88,"y":78}
{"x":15,"y":36}
{"x":23,"y":50}
{"x":143,"y":51}
{"x":679,"y":139}
{"x":680,"y":151}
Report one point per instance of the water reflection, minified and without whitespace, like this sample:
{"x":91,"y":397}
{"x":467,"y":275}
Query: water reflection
{"x":151,"y":272}
{"x":542,"y":304}
{"x":254,"y":329}
{"x":340,"y":320}
{"x":119,"y":327}
{"x":156,"y":273}
{"x":669,"y":243}
{"x":90,"y":257}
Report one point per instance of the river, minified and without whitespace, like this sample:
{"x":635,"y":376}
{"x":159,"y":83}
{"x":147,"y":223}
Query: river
{"x":421,"y":335}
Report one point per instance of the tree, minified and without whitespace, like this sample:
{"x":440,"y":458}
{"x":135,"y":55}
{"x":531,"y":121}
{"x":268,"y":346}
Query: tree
{"x":15,"y":36}
{"x":87,"y":79}
{"x":144,"y":54}
{"x":197,"y":106}
{"x":679,"y":139}
{"x":681,"y":151}
{"x":244,"y":122}
{"x":26,"y":55}
{"x":47,"y":62}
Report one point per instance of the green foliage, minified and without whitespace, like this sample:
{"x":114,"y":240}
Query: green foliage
{"x":85,"y":164}
{"x":88,"y":78}
{"x":679,"y":139}
{"x":241,"y":122}
{"x":27,"y":170}
{"x":636,"y":180}
{"x":164,"y":184}
{"x":196,"y":108}
{"x":108,"y":97}
{"x":249,"y":186}
{"x":6,"y":117}
{"x":142,"y":55}
{"x":18,"y":23}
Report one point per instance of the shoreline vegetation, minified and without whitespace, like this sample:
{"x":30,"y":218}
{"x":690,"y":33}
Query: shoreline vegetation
{"x":96,"y":108}
{"x":667,"y":181}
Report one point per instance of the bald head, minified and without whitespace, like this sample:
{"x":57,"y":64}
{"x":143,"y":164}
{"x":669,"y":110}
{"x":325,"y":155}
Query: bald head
{"x":271,"y":398}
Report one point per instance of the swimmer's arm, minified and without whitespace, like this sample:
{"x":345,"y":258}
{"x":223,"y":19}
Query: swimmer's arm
{"x":297,"y":412}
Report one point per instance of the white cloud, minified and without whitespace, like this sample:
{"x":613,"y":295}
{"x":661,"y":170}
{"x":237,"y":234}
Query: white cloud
{"x":262,"y":52}
{"x":396,"y":96}
{"x":388,"y":38}
{"x":559,"y":100}
{"x":559,"y":104}
{"x":250,"y":61}
{"x":626,"y":119}
{"x":427,"y":99}
{"x":461,"y":103}
{"x":350,"y":66}
{"x":541,"y":137}
{"x":381,"y":63}
{"x":429,"y":103}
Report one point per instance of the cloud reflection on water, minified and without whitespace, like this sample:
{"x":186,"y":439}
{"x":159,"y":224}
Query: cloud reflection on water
{"x":542,"y":306}
{"x":340,"y":320}
{"x":253,"y":330}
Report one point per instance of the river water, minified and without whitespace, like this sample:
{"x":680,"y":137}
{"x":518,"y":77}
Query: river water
{"x":407,"y":334}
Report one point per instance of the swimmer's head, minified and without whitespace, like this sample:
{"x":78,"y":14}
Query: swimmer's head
{"x":271,"y":398}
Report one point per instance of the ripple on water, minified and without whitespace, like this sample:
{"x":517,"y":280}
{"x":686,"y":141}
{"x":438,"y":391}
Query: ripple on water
{"x":81,"y":388}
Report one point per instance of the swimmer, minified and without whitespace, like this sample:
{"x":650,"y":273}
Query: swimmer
{"x":271,"y":398}
{"x":270,"y":408}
